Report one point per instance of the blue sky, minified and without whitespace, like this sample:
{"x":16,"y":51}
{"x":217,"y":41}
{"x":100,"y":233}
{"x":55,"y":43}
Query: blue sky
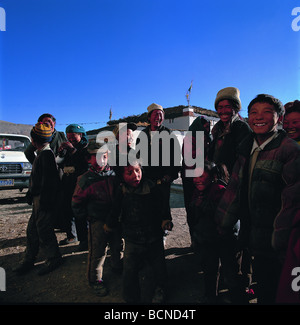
{"x":77,"y":59}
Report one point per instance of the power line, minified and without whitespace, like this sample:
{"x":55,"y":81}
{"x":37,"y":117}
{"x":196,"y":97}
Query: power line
{"x":82,"y":123}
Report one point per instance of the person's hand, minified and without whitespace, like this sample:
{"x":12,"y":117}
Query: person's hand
{"x":66,"y":148}
{"x":167,"y":225}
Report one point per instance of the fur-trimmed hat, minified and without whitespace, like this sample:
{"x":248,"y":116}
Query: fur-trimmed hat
{"x":153,"y":107}
{"x":41,"y":132}
{"x":230,"y":93}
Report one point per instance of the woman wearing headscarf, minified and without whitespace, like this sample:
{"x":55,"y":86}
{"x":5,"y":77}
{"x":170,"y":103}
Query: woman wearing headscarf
{"x":72,"y":160}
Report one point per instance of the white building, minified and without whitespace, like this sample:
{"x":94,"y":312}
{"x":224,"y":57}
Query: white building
{"x":185,"y":116}
{"x":177,"y":118}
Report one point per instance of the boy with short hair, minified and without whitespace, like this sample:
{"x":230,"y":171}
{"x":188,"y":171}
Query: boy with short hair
{"x":92,"y":200}
{"x":144,"y":217}
{"x":265,"y":191}
{"x":43,"y":189}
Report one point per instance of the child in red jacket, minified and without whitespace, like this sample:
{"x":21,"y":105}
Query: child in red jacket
{"x":92,"y":200}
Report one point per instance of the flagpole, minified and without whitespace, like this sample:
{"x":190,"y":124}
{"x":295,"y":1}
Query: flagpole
{"x":188,"y":93}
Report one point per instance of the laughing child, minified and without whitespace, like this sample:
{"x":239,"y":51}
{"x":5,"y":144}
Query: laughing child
{"x":144,"y":217}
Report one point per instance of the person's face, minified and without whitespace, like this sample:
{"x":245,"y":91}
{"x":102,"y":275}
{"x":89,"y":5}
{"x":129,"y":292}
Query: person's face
{"x":74,"y":138}
{"x":126,"y":138}
{"x":132,"y":175}
{"x":263,"y":120}
{"x":50,"y":122}
{"x":202,"y":182}
{"x":100,"y":162}
{"x":291,"y":124}
{"x":225,"y":111}
{"x":156,"y":118}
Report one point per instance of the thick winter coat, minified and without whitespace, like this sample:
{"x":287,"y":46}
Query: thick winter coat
{"x":142,"y":212}
{"x":93,"y":195}
{"x":266,"y":221}
{"x":223,"y":148}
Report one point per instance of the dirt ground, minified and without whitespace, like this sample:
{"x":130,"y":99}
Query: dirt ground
{"x":68,"y":283}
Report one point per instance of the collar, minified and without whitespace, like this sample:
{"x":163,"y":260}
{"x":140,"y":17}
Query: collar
{"x":106,"y":172}
{"x":220,"y":130}
{"x":46,"y":147}
{"x":144,"y":188}
{"x":262,"y":146}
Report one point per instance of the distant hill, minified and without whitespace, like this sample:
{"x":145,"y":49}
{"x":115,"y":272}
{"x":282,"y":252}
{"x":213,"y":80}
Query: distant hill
{"x":8,"y":127}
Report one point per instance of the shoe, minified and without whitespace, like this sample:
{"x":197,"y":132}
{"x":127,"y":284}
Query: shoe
{"x":50,"y":266}
{"x":24,"y":268}
{"x":100,"y":289}
{"x":67,"y":241}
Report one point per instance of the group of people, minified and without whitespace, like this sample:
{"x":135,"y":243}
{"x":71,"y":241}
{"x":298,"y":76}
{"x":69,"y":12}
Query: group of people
{"x":243,"y":211}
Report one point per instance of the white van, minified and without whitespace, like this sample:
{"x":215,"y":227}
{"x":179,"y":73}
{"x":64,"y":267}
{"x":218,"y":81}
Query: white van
{"x":15,"y":169}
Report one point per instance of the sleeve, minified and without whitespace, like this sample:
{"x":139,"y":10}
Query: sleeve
{"x":290,"y":206}
{"x":29,"y":153}
{"x":79,"y":200}
{"x":242,"y":130}
{"x":228,"y":210}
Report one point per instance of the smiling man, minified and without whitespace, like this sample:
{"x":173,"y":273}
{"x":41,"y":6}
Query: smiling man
{"x":160,"y":173}
{"x":230,"y":130}
{"x":264,"y":192}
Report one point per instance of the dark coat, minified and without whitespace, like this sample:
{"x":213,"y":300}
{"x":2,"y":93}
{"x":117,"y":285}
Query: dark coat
{"x":158,"y":172}
{"x":223,"y":148}
{"x":266,"y":221}
{"x":141,"y":212}
{"x":44,"y":179}
{"x":203,"y":214}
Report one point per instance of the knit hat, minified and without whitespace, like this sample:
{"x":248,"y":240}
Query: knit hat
{"x":41,"y":132}
{"x":153,"y":107}
{"x":75,"y":128}
{"x":230,"y":93}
